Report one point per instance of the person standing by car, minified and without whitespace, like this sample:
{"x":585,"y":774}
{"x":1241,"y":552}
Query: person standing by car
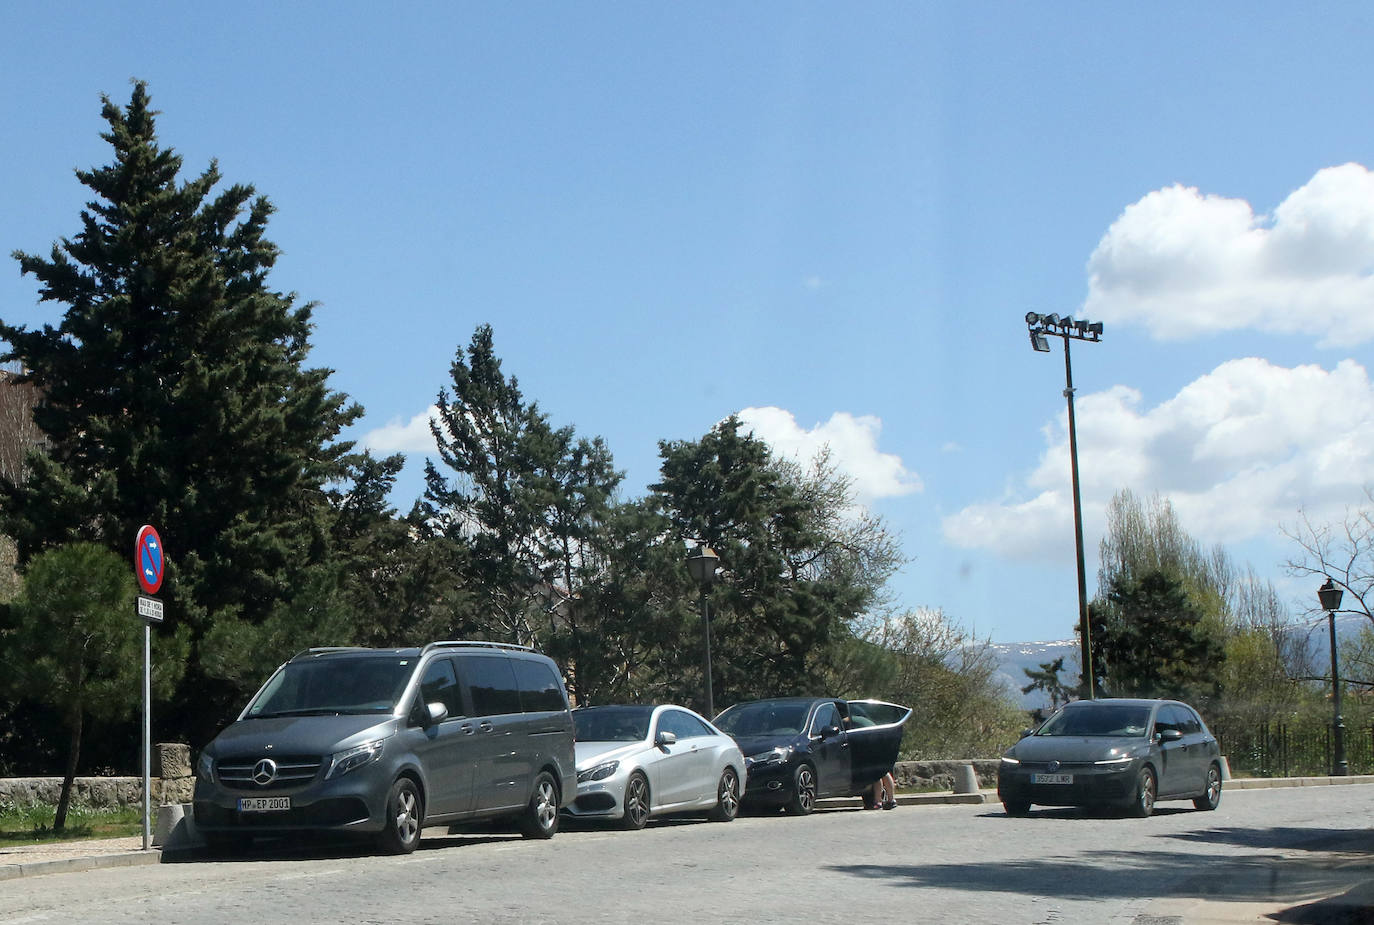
{"x":885,"y":792}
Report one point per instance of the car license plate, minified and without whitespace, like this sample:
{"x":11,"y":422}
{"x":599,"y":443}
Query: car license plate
{"x":264,"y":804}
{"x":1051,"y":778}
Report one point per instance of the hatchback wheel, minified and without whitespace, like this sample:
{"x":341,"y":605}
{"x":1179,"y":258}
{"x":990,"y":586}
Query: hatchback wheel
{"x":636,"y":802}
{"x":1016,"y":807}
{"x":727,"y":797}
{"x":540,"y":818}
{"x":404,"y":814}
{"x":803,"y":792}
{"x":1145,"y":791}
{"x":1212,"y":798}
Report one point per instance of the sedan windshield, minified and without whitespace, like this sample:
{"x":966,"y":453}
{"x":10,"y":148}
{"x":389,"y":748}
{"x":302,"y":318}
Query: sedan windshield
{"x":1098,"y":719}
{"x":765,"y":718}
{"x":334,"y":685}
{"x":611,"y":724}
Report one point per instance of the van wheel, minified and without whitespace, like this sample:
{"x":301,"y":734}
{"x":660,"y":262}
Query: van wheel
{"x":405,"y":812}
{"x":727,"y":797}
{"x":540,"y":819}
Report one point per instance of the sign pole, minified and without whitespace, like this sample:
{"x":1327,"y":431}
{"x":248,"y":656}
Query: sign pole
{"x":149,"y":565}
{"x":147,"y":733}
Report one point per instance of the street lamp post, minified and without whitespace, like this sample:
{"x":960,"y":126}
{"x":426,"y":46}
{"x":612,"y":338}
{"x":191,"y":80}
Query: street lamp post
{"x":1068,"y":329}
{"x":702,"y":566}
{"x":1330,"y":597}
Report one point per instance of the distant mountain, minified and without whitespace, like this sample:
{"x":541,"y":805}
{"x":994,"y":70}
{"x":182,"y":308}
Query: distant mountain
{"x":1014,"y":657}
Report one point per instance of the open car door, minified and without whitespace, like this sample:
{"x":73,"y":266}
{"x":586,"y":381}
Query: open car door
{"x":875,"y":739}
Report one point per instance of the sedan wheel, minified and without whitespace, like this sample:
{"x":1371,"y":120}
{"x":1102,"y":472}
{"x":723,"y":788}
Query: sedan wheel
{"x":803,"y":792}
{"x":1145,"y":790}
{"x":1212,"y":798}
{"x":727,"y":797}
{"x":636,"y":802}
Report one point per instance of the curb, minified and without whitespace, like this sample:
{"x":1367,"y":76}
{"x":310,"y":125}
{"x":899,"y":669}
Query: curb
{"x":72,"y":865}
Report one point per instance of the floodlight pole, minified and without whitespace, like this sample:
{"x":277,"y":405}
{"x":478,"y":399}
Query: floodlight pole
{"x":1084,"y":638}
{"x":1067,"y":329}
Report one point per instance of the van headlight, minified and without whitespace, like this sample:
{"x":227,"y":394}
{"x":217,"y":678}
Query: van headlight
{"x":205,"y":767}
{"x":340,"y":763}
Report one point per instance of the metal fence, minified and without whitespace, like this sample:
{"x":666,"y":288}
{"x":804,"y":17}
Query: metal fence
{"x":1283,"y":750}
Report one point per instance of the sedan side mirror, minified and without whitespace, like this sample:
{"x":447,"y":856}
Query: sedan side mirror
{"x":664,"y":739}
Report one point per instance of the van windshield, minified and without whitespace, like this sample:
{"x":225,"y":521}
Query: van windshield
{"x":366,"y":684}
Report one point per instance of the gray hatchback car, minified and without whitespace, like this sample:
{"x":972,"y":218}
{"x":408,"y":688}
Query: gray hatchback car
{"x":386,"y":741}
{"x":1116,"y":752}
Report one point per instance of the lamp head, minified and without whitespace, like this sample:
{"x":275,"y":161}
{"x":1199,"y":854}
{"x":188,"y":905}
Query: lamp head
{"x":1330,"y":595}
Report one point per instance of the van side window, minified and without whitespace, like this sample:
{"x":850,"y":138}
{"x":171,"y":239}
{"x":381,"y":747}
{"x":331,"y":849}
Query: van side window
{"x":492,"y":684}
{"x":440,"y":685}
{"x":540,"y":690}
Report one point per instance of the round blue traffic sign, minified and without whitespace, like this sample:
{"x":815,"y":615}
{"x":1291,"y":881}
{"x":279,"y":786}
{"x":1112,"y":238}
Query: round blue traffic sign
{"x":148,"y":560}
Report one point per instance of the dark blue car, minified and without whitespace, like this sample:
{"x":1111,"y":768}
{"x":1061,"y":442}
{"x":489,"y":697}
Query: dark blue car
{"x":799,"y":749}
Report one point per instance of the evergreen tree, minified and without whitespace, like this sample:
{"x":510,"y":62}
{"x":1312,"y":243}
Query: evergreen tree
{"x":795,"y":572}
{"x":521,"y":499}
{"x":175,"y":391}
{"x":1152,"y":641}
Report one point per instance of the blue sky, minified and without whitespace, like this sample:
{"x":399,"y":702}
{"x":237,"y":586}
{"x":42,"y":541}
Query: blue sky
{"x":831,"y":218}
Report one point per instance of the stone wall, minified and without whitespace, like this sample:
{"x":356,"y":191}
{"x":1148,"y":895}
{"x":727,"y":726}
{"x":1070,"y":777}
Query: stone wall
{"x":171,"y":783}
{"x":940,"y":775}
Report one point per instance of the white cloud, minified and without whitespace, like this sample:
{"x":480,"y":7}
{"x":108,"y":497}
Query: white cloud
{"x":1237,"y":451}
{"x":853,"y":443}
{"x":1184,"y":264}
{"x":398,"y":436}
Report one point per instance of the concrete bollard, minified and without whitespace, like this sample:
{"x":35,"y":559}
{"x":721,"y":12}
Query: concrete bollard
{"x":965,"y":779}
{"x":176,"y":827}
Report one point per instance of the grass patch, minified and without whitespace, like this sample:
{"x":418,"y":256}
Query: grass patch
{"x":32,"y":825}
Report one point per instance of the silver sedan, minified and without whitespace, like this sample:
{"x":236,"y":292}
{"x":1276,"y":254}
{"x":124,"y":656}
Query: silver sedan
{"x":634,"y":762}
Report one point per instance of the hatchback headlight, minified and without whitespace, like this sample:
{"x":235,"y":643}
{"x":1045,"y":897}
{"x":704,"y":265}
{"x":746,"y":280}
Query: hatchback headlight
{"x":340,"y":763}
{"x":1007,"y":759}
{"x":1114,"y":762}
{"x":598,"y":772}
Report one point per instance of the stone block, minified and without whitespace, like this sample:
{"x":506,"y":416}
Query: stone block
{"x":171,"y":760}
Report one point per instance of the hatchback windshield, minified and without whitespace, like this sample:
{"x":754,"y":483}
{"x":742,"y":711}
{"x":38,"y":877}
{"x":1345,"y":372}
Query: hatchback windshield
{"x":334,"y":685}
{"x":763,"y":719}
{"x":1098,"y":719}
{"x":612,"y":724}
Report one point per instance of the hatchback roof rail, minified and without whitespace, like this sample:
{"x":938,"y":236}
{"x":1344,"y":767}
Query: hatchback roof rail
{"x":475,"y":644}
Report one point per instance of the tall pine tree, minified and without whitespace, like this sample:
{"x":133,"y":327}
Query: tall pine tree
{"x":175,"y":390}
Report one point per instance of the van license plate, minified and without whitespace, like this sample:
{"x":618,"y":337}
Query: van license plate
{"x":264,"y":804}
{"x":1051,"y":778}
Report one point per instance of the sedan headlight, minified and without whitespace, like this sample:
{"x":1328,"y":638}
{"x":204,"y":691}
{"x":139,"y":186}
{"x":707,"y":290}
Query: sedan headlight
{"x":340,"y":763}
{"x":598,"y":772}
{"x":774,"y":756}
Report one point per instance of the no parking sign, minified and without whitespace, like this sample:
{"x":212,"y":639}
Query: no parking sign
{"x":148,"y":561}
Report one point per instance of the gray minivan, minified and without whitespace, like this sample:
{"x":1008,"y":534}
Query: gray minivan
{"x":386,"y":741}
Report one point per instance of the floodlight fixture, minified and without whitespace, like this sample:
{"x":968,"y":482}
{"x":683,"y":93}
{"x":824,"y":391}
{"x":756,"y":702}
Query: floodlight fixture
{"x":1039,"y":343}
{"x":1032,"y":317}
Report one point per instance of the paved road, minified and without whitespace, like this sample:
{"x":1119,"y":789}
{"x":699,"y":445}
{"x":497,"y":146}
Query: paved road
{"x":1277,"y":848}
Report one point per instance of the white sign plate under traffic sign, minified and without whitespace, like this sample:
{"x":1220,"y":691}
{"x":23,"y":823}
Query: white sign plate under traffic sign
{"x":150,"y":609}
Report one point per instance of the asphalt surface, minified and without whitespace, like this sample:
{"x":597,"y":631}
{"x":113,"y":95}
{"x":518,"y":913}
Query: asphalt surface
{"x":1345,"y":906}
